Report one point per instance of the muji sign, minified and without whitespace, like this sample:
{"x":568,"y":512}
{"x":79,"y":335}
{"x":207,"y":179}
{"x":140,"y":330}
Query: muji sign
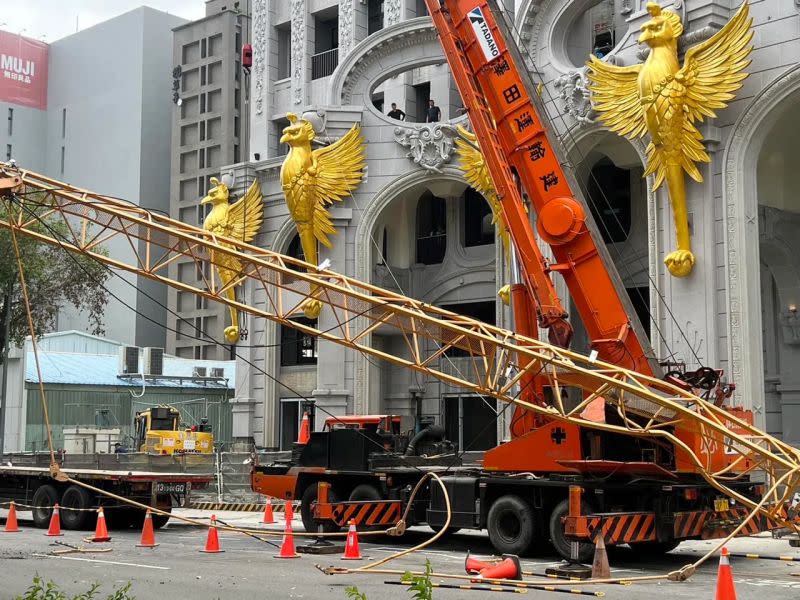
{"x":23,"y":70}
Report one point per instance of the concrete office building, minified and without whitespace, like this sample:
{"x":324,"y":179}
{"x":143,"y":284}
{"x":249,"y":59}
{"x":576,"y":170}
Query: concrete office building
{"x":105,"y":127}
{"x":413,"y":225}
{"x":209,"y":130}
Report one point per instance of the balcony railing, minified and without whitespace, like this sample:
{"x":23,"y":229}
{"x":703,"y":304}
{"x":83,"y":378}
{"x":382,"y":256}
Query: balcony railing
{"x":324,"y":63}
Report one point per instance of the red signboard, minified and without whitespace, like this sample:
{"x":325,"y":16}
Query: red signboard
{"x":23,"y":70}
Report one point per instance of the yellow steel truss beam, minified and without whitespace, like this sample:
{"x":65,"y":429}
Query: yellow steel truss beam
{"x":498,"y":358}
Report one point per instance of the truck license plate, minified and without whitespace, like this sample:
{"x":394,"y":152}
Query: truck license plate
{"x":163,"y":487}
{"x":188,"y":445}
{"x":721,"y":504}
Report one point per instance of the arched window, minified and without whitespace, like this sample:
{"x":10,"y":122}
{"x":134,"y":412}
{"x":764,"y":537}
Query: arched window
{"x":478,"y":228}
{"x":431,"y":229}
{"x":610,"y":200}
{"x":295,"y":250}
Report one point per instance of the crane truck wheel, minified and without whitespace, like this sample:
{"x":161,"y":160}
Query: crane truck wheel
{"x":307,"y":502}
{"x":511,"y":525}
{"x":364,"y":492}
{"x":76,"y":497}
{"x":44,"y":498}
{"x":560,"y":541}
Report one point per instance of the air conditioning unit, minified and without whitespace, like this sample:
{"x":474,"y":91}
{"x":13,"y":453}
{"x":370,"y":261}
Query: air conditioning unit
{"x":199,"y":372}
{"x":128,"y":360}
{"x":218,"y":372}
{"x":153,"y":361}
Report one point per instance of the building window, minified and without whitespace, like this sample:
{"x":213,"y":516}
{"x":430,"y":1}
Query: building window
{"x":431,"y":229}
{"x":610,"y":200}
{"x":326,"y":46}
{"x":470,"y":421}
{"x":8,"y":152}
{"x":422,"y":93}
{"x":640,"y":298}
{"x":295,"y":250}
{"x":280,"y":125}
{"x":478,"y":228}
{"x":284,"y":42}
{"x":481,"y":311}
{"x":10,"y":121}
{"x":290,"y":422}
{"x":297,"y":347}
{"x":374,"y":16}
{"x":422,"y":9}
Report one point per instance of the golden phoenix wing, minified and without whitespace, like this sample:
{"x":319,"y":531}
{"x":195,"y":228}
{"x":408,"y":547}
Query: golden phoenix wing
{"x":615,"y":95}
{"x":477,"y":175}
{"x":339,"y":169}
{"x":713,"y":69}
{"x":245,"y":216}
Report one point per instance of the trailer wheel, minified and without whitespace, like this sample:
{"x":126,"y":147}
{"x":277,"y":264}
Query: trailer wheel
{"x":558,"y":538}
{"x":511,"y":525}
{"x":44,"y":498}
{"x":307,"y":503}
{"x":653,"y":549}
{"x":76,"y":497}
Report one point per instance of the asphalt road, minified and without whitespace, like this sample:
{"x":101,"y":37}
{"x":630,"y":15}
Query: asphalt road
{"x":176,"y":569}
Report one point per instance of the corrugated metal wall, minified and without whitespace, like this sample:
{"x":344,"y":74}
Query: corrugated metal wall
{"x":70,"y":406}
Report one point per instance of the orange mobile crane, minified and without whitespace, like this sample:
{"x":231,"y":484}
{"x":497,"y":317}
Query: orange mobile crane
{"x":692,"y":463}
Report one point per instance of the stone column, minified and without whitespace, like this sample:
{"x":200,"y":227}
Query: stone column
{"x":334,"y":364}
{"x":259,"y":107}
{"x":243,"y":410}
{"x":301,"y":58}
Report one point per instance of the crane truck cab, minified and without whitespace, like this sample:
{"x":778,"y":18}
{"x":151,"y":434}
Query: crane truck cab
{"x":158,"y":430}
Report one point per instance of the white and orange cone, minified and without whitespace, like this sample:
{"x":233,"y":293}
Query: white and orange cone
{"x":351,"y":549}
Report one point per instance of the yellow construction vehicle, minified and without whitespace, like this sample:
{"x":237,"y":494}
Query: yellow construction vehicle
{"x":158,"y":431}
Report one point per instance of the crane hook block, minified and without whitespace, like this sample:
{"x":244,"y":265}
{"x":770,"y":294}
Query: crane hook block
{"x":560,"y":220}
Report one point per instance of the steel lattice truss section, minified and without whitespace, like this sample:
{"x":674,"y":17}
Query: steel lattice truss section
{"x":498,"y":359}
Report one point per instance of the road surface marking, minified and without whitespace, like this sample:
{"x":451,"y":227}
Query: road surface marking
{"x":105,"y":562}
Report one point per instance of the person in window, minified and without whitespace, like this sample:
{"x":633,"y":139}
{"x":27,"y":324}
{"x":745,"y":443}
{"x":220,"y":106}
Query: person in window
{"x":396,"y":113}
{"x":433,"y":114}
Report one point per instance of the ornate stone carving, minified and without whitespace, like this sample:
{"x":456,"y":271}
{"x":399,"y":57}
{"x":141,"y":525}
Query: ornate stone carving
{"x":573,"y":89}
{"x":389,"y":42}
{"x":259,"y":52}
{"x":392,"y":9}
{"x":431,"y":144}
{"x":345,"y":27}
{"x":625,"y":8}
{"x":298,"y":49}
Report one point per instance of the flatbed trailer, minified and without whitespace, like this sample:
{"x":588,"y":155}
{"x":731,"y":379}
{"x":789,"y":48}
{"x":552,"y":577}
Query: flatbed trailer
{"x":160,"y":481}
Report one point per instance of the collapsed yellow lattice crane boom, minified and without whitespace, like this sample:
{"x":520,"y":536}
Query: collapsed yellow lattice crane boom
{"x":647,"y":407}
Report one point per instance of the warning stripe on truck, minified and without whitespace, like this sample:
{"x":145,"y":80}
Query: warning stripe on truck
{"x":623,"y":528}
{"x":277,"y":506}
{"x":708,"y":524}
{"x":370,"y":512}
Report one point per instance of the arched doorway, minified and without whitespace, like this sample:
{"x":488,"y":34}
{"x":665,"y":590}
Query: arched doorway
{"x":610,"y":173}
{"x":779,"y":270}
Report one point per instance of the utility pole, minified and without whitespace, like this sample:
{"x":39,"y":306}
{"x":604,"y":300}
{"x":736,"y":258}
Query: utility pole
{"x":6,"y":346}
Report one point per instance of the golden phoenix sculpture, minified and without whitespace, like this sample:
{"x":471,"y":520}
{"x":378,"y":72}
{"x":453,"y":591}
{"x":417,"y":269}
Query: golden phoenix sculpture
{"x":314,"y":179}
{"x":239,"y":221}
{"x":667,"y":101}
{"x":473,"y":165}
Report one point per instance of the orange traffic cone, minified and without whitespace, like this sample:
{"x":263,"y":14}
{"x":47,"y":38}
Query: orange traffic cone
{"x":509,"y":568}
{"x":148,"y":536}
{"x":212,"y":541}
{"x":55,"y":524}
{"x":11,"y":519}
{"x":269,"y":518}
{"x":289,"y":511}
{"x":287,"y":547}
{"x":725,"y":587}
{"x":473,"y":566}
{"x":600,"y":567}
{"x":101,"y":531}
{"x":351,"y":549}
{"x":304,"y":435}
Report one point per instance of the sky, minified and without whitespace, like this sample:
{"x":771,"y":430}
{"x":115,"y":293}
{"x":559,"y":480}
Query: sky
{"x":50,"y":20}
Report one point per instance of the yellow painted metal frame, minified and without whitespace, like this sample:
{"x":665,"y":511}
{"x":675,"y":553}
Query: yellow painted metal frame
{"x":495,"y":355}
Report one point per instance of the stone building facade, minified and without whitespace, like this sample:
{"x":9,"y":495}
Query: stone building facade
{"x":414,"y":226}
